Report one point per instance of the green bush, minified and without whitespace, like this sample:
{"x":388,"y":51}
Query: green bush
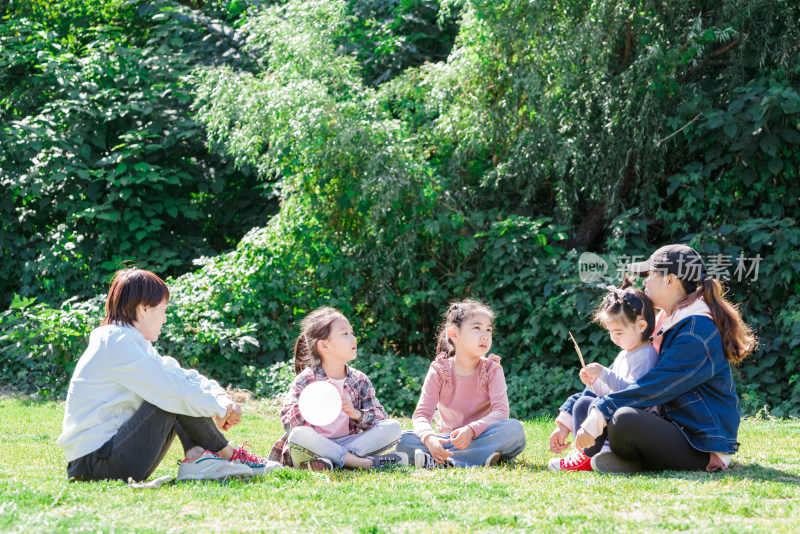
{"x":552,"y":129}
{"x":41,"y":344}
{"x":388,"y":36}
{"x":272,"y":381}
{"x":102,"y":162}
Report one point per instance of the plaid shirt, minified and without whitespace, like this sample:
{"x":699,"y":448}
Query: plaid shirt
{"x":356,"y":385}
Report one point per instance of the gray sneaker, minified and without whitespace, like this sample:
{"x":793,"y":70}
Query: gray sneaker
{"x":317,"y":464}
{"x":424,"y":460}
{"x":392,"y":458}
{"x":492,"y":459}
{"x":259,"y":465}
{"x":608,"y":462}
{"x":210,"y":466}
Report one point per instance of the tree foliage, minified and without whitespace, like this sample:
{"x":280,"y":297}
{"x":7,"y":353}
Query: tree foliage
{"x":551,"y":128}
{"x":102,"y":162}
{"x":388,"y":36}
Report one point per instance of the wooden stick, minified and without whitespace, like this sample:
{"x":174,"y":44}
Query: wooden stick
{"x":583,"y":364}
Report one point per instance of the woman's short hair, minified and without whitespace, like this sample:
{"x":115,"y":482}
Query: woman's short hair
{"x":129,"y":289}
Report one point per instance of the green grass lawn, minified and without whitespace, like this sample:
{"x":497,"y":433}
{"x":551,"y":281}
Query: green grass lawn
{"x":761,"y":493}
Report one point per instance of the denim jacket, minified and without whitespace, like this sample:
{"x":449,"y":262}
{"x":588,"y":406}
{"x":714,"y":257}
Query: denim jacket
{"x":693,"y":383}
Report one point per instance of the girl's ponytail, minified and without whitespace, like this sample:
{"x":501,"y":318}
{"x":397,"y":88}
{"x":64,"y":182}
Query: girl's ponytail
{"x":738,"y":339}
{"x":443,"y":343}
{"x":302,"y":354}
{"x":315,"y":327}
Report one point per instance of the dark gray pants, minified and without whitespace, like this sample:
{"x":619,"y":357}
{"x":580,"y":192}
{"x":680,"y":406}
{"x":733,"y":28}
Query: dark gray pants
{"x":660,"y":445}
{"x":141,"y":443}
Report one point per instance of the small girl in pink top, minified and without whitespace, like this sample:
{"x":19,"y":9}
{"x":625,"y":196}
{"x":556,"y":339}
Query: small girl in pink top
{"x":469,"y":389}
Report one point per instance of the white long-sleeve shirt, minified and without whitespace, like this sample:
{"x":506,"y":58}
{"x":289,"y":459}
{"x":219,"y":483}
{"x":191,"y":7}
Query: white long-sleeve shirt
{"x":628,"y":367}
{"x":117,"y":373}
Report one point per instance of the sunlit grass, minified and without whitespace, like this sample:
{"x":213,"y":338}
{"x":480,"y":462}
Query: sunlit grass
{"x":761,"y":493}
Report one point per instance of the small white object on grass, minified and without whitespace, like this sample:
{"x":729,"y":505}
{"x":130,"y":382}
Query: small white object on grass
{"x":157,"y":483}
{"x":320,"y":403}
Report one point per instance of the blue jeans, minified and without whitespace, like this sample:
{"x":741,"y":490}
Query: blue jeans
{"x":305,"y":443}
{"x":506,"y":437}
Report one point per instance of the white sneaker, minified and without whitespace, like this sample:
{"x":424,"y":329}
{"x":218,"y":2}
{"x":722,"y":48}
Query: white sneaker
{"x":259,"y":465}
{"x":424,"y":460}
{"x":210,"y":466}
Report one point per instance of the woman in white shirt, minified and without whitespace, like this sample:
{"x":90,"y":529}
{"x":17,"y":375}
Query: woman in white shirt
{"x":126,"y":403}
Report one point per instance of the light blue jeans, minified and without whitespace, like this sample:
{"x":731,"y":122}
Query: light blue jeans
{"x":506,"y":437}
{"x":305,"y":443}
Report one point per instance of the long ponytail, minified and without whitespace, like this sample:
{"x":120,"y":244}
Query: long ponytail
{"x":738,"y":339}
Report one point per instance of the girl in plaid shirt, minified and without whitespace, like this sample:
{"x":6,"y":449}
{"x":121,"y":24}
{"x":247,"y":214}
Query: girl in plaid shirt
{"x":361,"y":431}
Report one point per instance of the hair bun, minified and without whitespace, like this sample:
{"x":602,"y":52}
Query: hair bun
{"x":626,"y":282}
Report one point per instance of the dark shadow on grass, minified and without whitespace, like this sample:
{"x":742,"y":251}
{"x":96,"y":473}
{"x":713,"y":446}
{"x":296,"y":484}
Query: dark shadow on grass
{"x":750,"y":471}
{"x":525,"y":466}
{"x":759,"y":472}
{"x":755,"y":472}
{"x":280,"y":475}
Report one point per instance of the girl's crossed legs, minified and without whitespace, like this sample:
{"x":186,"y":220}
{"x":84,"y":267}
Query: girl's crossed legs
{"x":505,"y":437}
{"x":305,"y":443}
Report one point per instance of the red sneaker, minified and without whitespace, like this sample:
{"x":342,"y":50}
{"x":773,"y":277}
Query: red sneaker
{"x":577,"y":461}
{"x":259,"y":465}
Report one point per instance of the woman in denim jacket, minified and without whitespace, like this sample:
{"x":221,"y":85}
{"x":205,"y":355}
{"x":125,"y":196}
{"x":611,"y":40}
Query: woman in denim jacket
{"x":698,"y":334}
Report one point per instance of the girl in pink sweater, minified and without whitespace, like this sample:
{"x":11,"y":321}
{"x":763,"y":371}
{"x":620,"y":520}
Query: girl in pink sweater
{"x":469,"y":390}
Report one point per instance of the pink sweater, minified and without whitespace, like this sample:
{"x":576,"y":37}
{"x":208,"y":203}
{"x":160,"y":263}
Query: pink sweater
{"x":476,"y":401}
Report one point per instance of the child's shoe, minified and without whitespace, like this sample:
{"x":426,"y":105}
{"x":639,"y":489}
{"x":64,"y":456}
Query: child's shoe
{"x":317,"y":464}
{"x":256,"y":463}
{"x":392,"y":458}
{"x":576,"y":461}
{"x":492,"y":459}
{"x":424,"y":460}
{"x":210,"y":466}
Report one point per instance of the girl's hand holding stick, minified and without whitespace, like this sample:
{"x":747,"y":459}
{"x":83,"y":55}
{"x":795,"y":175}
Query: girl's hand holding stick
{"x":587,"y":378}
{"x":577,"y":348}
